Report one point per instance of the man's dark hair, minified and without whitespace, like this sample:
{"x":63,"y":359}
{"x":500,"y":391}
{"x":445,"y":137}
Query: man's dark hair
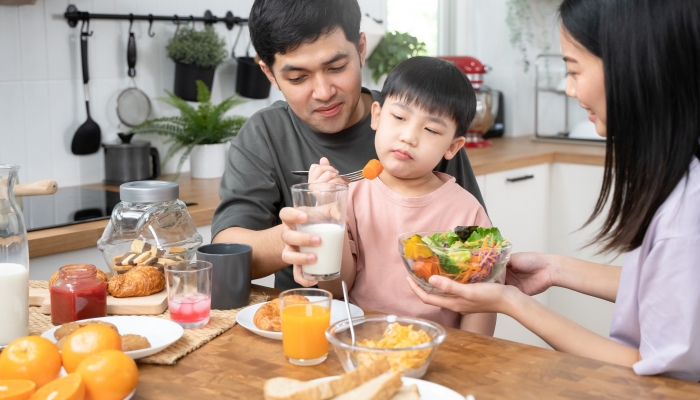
{"x":436,"y":86}
{"x":281,"y":26}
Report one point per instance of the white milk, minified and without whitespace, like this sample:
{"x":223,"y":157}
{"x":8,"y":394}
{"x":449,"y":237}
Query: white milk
{"x":14,"y":302}
{"x":330,"y":253}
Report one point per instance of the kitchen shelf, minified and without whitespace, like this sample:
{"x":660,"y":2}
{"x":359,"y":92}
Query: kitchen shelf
{"x":539,"y":89}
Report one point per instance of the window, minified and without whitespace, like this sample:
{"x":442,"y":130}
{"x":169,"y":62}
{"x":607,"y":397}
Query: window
{"x":419,"y":18}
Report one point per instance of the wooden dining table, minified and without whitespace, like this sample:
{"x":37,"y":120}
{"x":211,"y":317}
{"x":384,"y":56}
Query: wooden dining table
{"x":237,"y":363}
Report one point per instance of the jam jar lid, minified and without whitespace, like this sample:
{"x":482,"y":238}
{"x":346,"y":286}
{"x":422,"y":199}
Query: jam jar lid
{"x":149,"y":191}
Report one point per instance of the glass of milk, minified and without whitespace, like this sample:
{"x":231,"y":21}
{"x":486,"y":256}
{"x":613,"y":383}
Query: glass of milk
{"x":14,"y":262}
{"x":325,"y":204}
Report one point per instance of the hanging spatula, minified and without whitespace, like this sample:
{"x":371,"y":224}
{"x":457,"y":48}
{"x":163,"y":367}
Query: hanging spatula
{"x":88,"y":137}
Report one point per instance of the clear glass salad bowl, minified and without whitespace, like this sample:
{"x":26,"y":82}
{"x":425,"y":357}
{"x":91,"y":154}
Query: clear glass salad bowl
{"x":411,"y":360}
{"x":463,"y":264}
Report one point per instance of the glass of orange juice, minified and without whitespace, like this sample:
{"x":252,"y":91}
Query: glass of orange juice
{"x":306,"y":314}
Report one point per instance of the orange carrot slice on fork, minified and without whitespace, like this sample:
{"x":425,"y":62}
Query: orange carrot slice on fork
{"x":372,"y":169}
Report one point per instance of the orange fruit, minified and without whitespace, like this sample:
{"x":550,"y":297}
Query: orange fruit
{"x":109,"y":375}
{"x":16,"y":389}
{"x":87,"y":341}
{"x":69,"y":387}
{"x":31,"y":357}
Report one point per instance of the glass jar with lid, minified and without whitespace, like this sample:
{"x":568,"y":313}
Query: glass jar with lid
{"x":77,"y":294}
{"x":150,"y":226}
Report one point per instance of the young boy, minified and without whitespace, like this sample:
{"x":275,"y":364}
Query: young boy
{"x":427,"y":107}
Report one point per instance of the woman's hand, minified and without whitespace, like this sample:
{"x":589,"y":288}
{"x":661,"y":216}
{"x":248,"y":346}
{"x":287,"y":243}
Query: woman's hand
{"x":530,"y":272}
{"x":471,"y":298}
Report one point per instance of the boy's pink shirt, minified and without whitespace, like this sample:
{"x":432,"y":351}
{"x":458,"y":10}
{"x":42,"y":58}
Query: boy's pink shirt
{"x":377,"y":216}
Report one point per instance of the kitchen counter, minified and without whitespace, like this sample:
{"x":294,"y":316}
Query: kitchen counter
{"x":237,"y":363}
{"x":505,"y":154}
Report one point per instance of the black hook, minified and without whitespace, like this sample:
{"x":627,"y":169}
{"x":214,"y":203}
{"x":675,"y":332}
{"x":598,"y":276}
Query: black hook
{"x":150,"y":25}
{"x":177,"y":24}
{"x":131,"y":22}
{"x":192,"y":20}
{"x":85,"y":28}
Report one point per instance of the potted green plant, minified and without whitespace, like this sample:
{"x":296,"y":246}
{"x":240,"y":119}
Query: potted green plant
{"x":196,"y":55}
{"x":202,"y":133}
{"x":391,"y":50}
{"x":531,"y":24}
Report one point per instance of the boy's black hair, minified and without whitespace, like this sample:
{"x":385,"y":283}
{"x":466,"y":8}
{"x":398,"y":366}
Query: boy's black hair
{"x":436,"y":86}
{"x":281,"y":26}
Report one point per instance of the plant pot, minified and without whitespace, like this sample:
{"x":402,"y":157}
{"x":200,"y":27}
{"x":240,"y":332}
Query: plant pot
{"x":208,"y":160}
{"x":251,"y":82}
{"x":186,"y":76}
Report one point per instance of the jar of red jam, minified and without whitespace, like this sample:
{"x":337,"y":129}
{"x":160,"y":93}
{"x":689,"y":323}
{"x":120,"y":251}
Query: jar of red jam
{"x":77,"y":294}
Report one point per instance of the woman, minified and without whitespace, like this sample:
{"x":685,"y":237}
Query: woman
{"x":634,"y":65}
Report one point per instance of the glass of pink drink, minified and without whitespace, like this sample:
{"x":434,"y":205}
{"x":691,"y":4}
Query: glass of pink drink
{"x":189,"y":292}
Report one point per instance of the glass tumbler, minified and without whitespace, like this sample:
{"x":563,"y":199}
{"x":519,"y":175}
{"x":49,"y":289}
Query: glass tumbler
{"x":189,"y":292}
{"x":304,"y":323}
{"x":326,"y":205}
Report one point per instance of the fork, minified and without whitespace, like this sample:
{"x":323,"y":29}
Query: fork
{"x":350,"y":177}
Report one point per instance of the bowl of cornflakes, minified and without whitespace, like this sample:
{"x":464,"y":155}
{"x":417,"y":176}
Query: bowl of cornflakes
{"x":409,"y":344}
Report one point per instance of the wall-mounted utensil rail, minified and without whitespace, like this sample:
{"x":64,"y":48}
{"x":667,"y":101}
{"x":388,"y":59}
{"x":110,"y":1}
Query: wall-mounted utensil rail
{"x":73,"y":15}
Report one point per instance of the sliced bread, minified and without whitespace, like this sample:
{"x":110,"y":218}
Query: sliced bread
{"x":382,"y":387}
{"x":357,"y":377}
{"x":407,"y":393}
{"x":292,"y":389}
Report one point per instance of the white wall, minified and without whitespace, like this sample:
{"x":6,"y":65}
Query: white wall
{"x":41,"y":96}
{"x":478,"y":28}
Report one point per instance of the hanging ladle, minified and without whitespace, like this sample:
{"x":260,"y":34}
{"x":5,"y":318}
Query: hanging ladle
{"x":88,"y":137}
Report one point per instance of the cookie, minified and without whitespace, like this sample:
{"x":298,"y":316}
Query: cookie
{"x":131,"y":342}
{"x":70,"y":327}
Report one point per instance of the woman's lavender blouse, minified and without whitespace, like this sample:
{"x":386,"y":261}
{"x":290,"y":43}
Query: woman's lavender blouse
{"x":658,"y":302}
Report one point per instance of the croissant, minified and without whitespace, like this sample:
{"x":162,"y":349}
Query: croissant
{"x":139,"y":281}
{"x":268,"y":317}
{"x":100,"y":275}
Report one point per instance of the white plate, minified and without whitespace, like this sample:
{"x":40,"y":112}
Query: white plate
{"x":427,"y":390}
{"x":245,"y":317}
{"x":161,"y":333}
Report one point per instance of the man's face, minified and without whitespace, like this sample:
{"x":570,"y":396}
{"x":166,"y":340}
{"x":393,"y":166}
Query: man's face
{"x":321,"y":81}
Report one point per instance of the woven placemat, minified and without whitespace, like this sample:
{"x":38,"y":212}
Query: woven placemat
{"x":219,"y":322}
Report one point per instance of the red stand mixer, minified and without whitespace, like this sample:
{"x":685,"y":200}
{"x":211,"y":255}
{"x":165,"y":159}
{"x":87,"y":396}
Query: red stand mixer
{"x":486,"y":99}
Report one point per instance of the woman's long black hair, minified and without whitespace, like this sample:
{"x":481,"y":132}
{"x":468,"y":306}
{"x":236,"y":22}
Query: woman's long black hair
{"x":651,"y":59}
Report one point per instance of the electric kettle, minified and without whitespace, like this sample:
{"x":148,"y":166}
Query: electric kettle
{"x":130,"y":161}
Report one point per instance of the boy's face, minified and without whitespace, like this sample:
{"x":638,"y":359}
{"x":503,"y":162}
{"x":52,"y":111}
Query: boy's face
{"x":410,"y":142}
{"x":322,"y":80}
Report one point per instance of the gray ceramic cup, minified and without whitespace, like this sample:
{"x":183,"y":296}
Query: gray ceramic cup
{"x":231,"y":273}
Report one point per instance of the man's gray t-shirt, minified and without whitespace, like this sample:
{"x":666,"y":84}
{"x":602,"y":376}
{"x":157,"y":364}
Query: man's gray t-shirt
{"x":272,"y":143}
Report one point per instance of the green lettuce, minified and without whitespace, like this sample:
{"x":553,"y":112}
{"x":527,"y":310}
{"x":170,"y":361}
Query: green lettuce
{"x":480,"y":233}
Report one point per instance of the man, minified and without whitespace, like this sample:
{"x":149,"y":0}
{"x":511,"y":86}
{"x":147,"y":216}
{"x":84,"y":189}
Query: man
{"x":312,"y":51}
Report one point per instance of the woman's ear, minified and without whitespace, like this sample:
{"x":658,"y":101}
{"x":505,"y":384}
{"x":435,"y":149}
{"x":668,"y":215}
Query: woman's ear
{"x":457,"y":143}
{"x":376,"y":110}
{"x":268,"y":73}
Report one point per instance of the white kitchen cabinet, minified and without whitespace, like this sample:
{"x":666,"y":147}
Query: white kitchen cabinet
{"x":545,"y":214}
{"x":518,"y":204}
{"x":574,"y":191}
